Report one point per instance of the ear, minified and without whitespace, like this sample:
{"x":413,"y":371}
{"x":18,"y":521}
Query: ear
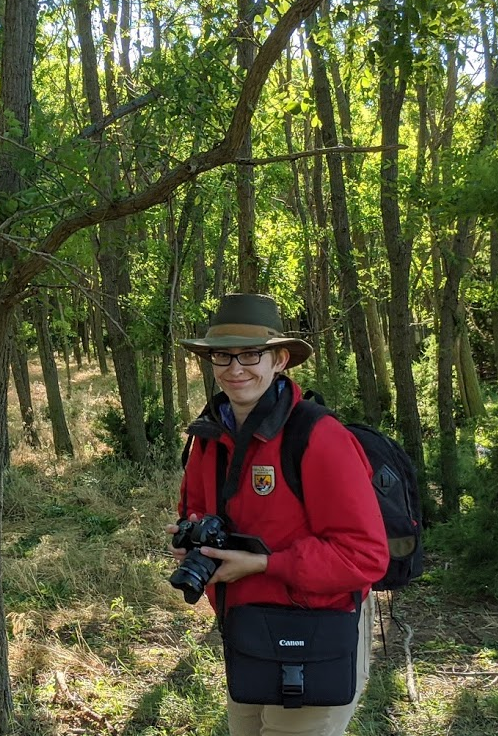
{"x":282,"y":360}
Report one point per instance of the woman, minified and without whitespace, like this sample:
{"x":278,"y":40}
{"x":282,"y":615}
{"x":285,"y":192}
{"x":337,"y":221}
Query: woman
{"x":322,"y":550}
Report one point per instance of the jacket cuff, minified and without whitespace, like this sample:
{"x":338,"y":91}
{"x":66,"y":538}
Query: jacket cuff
{"x":278,"y":567}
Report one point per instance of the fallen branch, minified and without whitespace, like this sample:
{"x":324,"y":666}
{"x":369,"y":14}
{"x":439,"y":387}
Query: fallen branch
{"x":410,"y":676}
{"x":61,"y":689}
{"x":453,"y":673}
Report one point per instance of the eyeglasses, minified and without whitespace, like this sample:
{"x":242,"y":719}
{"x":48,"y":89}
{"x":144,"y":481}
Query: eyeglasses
{"x":248,"y":357}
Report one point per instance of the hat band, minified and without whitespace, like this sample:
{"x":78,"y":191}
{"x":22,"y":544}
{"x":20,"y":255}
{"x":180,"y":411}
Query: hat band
{"x":242,"y":330}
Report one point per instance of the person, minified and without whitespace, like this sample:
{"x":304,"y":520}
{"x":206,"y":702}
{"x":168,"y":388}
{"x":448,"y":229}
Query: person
{"x":321,"y":550}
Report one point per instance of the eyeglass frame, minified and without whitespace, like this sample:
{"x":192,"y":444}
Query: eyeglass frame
{"x":237,"y":357}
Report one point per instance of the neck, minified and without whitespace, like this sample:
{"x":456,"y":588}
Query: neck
{"x":241,"y":413}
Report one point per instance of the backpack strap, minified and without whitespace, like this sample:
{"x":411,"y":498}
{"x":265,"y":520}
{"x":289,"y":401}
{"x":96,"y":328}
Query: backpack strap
{"x":296,"y":434}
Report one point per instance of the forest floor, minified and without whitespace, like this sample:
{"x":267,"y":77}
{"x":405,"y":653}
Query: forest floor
{"x":101,"y":644}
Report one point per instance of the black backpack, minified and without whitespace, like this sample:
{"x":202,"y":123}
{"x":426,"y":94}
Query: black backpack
{"x":394,"y":480}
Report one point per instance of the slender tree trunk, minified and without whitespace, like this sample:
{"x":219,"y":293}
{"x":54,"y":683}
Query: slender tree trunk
{"x":340,"y":223}
{"x":76,"y":325}
{"x":449,"y":330}
{"x":182,"y":384}
{"x":325,"y":325}
{"x":218,"y":266}
{"x":65,"y":347}
{"x":392,"y":95}
{"x":123,"y":353}
{"x":248,"y":261}
{"x":96,"y":321}
{"x":60,"y":431}
{"x":19,"y":365}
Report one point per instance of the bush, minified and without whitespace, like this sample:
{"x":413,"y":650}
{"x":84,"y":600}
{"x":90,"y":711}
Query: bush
{"x":111,"y":428}
{"x":469,"y":541}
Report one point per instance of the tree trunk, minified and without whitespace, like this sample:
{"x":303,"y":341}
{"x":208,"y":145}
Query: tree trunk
{"x":218,"y":265}
{"x":60,"y":431}
{"x":182,"y":384}
{"x":248,"y":261}
{"x":468,"y":383}
{"x":19,"y":365}
{"x":325,"y":325}
{"x":399,"y":250}
{"x":96,"y":319}
{"x":340,"y":223}
{"x":457,"y":263}
{"x":111,"y":262}
{"x":65,"y":347}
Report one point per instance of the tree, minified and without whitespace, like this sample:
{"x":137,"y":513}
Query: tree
{"x":394,"y":55}
{"x":24,"y":266}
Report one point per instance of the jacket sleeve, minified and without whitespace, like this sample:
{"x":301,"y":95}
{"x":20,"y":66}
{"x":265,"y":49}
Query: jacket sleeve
{"x":346,"y":549}
{"x":192,"y":493}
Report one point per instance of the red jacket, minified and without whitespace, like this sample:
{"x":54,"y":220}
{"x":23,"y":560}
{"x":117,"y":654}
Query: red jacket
{"x":323,"y":550}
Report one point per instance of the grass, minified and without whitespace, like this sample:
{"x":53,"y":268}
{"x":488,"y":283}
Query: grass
{"x":88,"y":598}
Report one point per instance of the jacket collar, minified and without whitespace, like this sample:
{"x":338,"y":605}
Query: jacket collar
{"x":208,"y":424}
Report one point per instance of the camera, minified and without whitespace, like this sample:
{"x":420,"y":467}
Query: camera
{"x":197,"y":569}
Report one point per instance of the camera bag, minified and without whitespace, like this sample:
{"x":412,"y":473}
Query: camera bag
{"x":278,"y":655}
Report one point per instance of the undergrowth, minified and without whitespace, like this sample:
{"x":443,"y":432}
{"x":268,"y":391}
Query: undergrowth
{"x":87,"y":596}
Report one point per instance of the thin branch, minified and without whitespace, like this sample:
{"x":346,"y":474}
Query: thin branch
{"x":316,"y":152}
{"x":130,"y":107}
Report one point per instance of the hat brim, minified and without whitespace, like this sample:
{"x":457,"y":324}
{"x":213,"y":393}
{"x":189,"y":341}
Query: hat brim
{"x":299,"y":350}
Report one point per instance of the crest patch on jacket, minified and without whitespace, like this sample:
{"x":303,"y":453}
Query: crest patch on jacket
{"x":263,"y":479}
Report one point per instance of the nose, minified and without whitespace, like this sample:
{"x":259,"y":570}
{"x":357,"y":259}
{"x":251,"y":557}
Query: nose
{"x":235,"y":366}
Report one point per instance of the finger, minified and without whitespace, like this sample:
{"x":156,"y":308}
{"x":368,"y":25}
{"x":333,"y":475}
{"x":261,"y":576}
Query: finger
{"x":171,"y":528}
{"x":218,"y":554}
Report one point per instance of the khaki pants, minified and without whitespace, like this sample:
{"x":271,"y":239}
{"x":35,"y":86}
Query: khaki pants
{"x":273,"y":720}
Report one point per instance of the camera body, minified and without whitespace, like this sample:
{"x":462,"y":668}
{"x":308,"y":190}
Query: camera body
{"x":208,"y":532}
{"x":196,"y":569}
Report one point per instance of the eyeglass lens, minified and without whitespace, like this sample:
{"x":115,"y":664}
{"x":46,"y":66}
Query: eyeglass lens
{"x":250,"y":357}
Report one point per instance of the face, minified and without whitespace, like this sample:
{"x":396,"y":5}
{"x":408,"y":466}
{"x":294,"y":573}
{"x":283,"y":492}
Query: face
{"x":245,"y":384}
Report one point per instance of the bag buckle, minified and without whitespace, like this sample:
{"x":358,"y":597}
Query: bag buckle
{"x":292,"y":679}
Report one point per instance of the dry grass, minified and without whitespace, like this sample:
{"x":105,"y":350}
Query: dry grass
{"x":87,"y":595}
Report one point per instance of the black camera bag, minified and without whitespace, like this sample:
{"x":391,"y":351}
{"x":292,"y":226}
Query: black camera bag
{"x":277,"y":655}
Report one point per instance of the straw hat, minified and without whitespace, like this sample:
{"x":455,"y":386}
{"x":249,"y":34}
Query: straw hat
{"x":247,"y":321}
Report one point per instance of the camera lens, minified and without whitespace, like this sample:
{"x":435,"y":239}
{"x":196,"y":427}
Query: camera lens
{"x":193,"y":574}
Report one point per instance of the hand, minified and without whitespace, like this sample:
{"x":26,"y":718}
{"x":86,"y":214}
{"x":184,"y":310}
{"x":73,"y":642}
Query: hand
{"x":235,"y":564}
{"x":180,"y":552}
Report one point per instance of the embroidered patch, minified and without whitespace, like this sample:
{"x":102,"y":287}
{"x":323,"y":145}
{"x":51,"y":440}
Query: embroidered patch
{"x":263,"y":479}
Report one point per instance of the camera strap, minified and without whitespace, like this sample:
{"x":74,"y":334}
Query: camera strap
{"x":228,"y":484}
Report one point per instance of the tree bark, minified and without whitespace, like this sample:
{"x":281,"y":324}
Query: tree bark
{"x":19,"y":365}
{"x":96,"y":317}
{"x":60,"y":431}
{"x":248,"y":260}
{"x":449,"y":330}
{"x":115,"y":277}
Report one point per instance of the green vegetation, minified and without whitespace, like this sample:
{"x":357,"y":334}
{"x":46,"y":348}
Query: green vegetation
{"x":87,"y":595}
